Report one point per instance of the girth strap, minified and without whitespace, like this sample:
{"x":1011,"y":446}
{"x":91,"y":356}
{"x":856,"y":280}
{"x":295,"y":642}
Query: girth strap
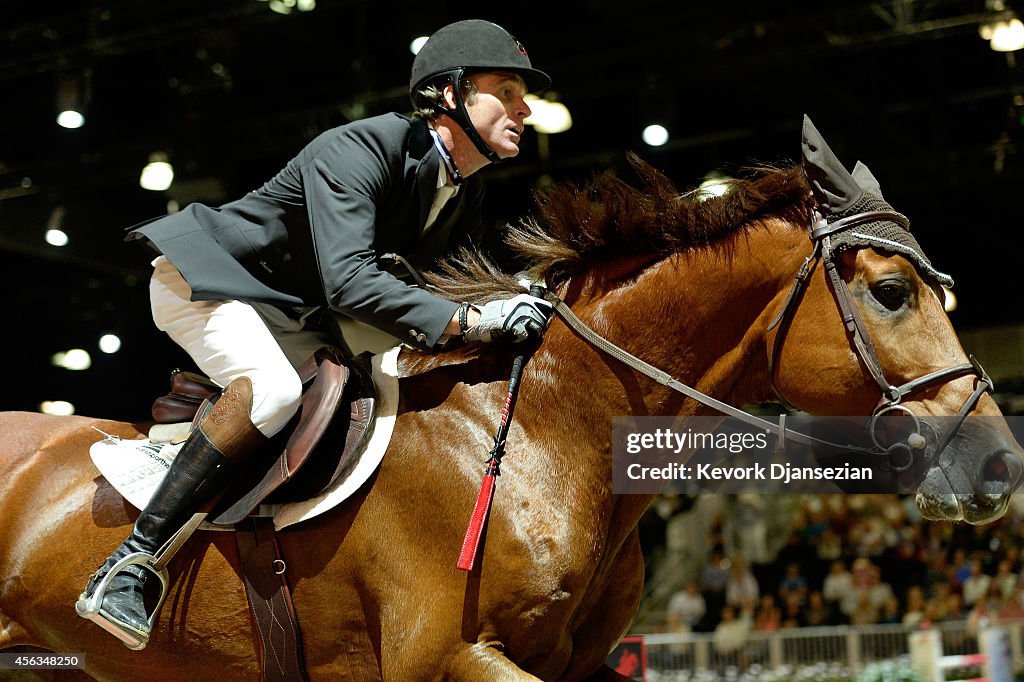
{"x":270,"y":601}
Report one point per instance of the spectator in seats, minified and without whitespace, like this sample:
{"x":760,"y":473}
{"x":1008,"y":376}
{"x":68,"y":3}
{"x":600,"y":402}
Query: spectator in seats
{"x":817,"y":613}
{"x":686,"y":608}
{"x":914,"y":613}
{"x":954,"y":607}
{"x":866,"y":584}
{"x":891,"y":613}
{"x":985,"y":610}
{"x":741,"y":586}
{"x":1005,"y":579}
{"x":712,"y":583}
{"x":751,"y":527}
{"x":862,"y":611}
{"x":732,"y":631}
{"x":830,"y":546}
{"x":793,"y":584}
{"x":960,"y":567}
{"x":768,"y":617}
{"x":1011,"y":606}
{"x":975,"y":586}
{"x":838,"y":583}
{"x":793,"y":614}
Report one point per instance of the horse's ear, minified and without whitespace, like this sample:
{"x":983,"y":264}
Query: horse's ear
{"x":833,"y":186}
{"x":866,"y":179}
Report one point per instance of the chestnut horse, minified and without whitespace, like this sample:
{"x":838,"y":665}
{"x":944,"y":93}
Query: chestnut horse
{"x":687,"y":284}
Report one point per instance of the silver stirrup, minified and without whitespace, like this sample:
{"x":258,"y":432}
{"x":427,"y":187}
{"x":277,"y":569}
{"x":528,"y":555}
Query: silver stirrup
{"x":90,"y":608}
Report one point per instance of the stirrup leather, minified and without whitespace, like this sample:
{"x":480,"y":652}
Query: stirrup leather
{"x":91,"y":607}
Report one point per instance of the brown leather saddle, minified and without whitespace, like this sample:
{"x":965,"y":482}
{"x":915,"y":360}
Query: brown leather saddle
{"x":311,"y":452}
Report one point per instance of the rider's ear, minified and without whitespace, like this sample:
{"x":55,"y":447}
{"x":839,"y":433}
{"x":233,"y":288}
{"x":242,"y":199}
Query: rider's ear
{"x":448,"y":95}
{"x":833,"y":186}
{"x":867,"y":180}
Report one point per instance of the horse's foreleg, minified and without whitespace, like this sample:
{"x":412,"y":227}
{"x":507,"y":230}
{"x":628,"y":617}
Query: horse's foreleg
{"x":486,"y":663}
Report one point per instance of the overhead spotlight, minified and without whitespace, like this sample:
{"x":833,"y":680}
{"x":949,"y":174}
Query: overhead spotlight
{"x":55,"y":235}
{"x":655,"y":135}
{"x":58,"y":407}
{"x":75,"y":359}
{"x":548,"y":116}
{"x":158,"y":173}
{"x":110,"y":343}
{"x":1007,"y":36}
{"x":417,"y":44}
{"x":714,"y":184}
{"x":56,"y":238}
{"x":73,"y":89}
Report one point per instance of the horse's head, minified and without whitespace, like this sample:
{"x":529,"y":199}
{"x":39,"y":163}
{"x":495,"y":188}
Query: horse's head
{"x":889,"y":348}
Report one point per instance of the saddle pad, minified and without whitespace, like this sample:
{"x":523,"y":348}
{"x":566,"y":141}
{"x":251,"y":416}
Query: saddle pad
{"x":135,"y":468}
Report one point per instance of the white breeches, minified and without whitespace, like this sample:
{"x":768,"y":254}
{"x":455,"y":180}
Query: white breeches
{"x":231,"y":339}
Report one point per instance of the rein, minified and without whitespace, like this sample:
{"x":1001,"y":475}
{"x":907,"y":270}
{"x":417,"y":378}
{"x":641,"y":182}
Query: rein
{"x":900,"y":455}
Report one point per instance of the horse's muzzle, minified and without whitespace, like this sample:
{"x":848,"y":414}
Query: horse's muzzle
{"x":972,"y":489}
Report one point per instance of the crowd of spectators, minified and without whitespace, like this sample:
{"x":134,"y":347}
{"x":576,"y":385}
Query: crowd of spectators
{"x":860,"y":560}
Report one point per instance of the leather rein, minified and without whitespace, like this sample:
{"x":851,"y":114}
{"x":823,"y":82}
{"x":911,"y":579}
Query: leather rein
{"x":900,"y":456}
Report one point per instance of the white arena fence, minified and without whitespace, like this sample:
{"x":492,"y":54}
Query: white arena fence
{"x":841,"y":652}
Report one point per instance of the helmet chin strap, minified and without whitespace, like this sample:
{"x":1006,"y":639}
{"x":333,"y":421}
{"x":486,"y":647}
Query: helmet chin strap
{"x":461,"y":116}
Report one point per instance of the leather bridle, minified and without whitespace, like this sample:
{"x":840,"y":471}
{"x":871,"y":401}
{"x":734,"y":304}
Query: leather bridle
{"x":899,"y":456}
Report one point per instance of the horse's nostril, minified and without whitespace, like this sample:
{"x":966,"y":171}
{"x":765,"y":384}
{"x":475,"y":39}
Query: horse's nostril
{"x":997,"y":468}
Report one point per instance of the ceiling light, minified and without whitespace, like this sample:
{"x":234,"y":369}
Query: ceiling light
{"x":547,"y":115}
{"x":75,"y":359}
{"x":110,"y":343}
{"x":655,"y":135}
{"x":72,"y":98}
{"x":1007,"y":36}
{"x":417,"y":44}
{"x":71,"y":119}
{"x":714,"y":185}
{"x":158,"y":173}
{"x":56,"y":238}
{"x":58,"y":407}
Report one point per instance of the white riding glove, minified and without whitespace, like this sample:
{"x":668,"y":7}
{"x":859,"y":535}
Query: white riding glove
{"x":516,"y":319}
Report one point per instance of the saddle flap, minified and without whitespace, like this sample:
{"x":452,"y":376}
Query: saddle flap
{"x":320,"y":406}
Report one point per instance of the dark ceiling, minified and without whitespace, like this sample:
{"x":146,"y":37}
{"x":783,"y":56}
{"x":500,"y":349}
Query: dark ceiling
{"x":230,"y":91}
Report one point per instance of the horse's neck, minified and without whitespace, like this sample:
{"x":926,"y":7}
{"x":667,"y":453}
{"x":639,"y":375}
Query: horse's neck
{"x":701,"y":316}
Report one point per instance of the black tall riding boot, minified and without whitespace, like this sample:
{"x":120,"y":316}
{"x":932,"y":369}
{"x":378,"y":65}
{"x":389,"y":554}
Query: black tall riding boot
{"x":198,"y":474}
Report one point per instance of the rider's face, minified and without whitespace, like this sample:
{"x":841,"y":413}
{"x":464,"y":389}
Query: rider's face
{"x":498,"y":110}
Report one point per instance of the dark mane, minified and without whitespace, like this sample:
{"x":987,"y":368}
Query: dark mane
{"x":581,"y":225}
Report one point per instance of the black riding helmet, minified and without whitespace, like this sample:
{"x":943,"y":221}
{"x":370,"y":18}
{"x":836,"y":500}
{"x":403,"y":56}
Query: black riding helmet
{"x":465,"y":47}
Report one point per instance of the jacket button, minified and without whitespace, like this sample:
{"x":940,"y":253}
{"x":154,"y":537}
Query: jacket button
{"x":412,"y":333}
{"x":422,"y":338}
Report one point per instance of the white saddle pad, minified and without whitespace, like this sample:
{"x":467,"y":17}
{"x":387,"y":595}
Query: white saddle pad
{"x":135,"y":467}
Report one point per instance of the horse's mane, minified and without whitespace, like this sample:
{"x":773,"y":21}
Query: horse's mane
{"x":580,"y":225}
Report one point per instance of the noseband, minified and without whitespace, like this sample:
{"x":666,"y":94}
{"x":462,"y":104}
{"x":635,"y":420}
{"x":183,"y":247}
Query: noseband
{"x":899,"y":456}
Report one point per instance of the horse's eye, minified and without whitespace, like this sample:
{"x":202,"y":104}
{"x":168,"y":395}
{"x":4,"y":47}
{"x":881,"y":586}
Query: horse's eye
{"x":892,"y":295}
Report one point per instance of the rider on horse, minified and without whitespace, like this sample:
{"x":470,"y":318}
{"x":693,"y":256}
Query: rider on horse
{"x":242,"y":287}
